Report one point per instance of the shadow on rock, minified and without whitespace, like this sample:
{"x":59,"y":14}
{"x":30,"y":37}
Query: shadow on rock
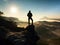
{"x":31,"y":35}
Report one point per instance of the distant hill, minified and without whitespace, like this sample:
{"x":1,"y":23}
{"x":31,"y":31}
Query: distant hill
{"x":50,"y":26}
{"x":49,"y":32}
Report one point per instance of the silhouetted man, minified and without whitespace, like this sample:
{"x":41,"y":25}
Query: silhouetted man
{"x":30,"y":17}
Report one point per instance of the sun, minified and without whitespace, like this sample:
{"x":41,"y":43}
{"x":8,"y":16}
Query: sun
{"x":13,"y":10}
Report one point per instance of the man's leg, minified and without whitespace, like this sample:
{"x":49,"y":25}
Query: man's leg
{"x":32,"y":21}
{"x":29,"y":21}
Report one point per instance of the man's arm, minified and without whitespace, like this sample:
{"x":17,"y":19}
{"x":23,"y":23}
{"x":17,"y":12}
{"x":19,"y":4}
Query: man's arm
{"x":27,"y":14}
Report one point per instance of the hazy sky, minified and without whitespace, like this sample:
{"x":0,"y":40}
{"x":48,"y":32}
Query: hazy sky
{"x":39,"y":8}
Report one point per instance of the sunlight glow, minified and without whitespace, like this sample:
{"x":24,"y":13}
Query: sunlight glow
{"x":13,"y":10}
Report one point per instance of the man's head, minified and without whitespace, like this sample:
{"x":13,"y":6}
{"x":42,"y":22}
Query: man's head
{"x":29,"y":11}
{"x":1,"y":13}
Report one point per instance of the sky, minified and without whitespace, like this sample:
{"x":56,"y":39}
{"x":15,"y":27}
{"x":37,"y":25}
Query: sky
{"x":39,"y":9}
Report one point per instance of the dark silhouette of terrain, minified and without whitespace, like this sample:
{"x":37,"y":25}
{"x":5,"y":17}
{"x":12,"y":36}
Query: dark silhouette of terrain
{"x":4,"y":26}
{"x":31,"y":35}
{"x":10,"y":34}
{"x":26,"y":36}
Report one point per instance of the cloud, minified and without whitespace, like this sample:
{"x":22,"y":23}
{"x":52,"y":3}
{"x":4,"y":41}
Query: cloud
{"x":57,"y":19}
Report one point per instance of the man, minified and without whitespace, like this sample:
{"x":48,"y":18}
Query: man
{"x":30,"y":17}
